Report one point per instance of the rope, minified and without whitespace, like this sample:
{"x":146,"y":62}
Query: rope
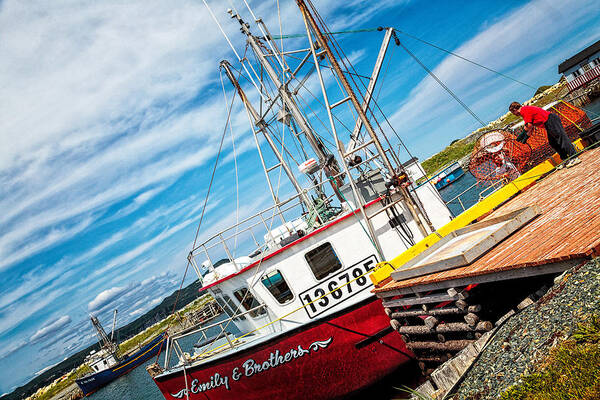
{"x":237,"y":188}
{"x":292,"y":36}
{"x":202,"y":214}
{"x":285,"y":316}
{"x":299,"y":35}
{"x":463,"y":58}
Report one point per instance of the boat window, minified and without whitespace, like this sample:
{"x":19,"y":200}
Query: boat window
{"x":323,"y":260}
{"x":228,"y":306}
{"x":249,"y":302}
{"x":278,"y":287}
{"x":233,"y":307}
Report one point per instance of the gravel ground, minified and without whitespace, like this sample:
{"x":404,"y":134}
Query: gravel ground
{"x":525,"y":339}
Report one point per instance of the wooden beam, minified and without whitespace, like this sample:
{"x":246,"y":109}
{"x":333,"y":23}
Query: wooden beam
{"x":445,"y":328}
{"x":450,"y":345}
{"x":515,"y":273}
{"x":434,"y":312}
{"x":410,"y":301}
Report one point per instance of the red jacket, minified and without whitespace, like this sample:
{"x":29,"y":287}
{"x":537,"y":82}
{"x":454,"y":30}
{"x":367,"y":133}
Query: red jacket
{"x":534,"y":115}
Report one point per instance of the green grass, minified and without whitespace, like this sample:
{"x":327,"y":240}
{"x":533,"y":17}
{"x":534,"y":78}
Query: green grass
{"x":571,"y":371}
{"x":454,"y":152}
{"x":139,"y":339}
{"x":53,"y":390}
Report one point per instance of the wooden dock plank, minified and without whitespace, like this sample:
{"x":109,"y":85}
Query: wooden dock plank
{"x":567,"y":229}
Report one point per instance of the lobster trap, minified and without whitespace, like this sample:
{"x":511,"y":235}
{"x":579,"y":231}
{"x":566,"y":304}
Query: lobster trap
{"x":499,"y":156}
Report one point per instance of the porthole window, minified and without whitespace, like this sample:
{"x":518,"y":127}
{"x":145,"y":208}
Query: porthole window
{"x":276,"y":284}
{"x":323,"y":260}
{"x":248,"y":301}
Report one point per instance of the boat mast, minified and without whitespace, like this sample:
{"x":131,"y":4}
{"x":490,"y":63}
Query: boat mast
{"x":102,"y":336}
{"x":326,"y":160}
{"x":396,"y":178}
{"x":112,"y":333}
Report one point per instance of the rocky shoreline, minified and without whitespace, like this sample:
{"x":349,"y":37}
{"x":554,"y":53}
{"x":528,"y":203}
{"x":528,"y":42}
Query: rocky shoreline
{"x":522,"y":342}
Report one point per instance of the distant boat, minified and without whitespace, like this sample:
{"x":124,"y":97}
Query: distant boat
{"x":448,"y":175}
{"x":107,"y":365}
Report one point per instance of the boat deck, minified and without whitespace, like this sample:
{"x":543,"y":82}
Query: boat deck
{"x":566,"y":233}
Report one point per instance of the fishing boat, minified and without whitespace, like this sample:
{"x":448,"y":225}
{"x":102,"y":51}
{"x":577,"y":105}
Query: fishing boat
{"x":107,"y":364}
{"x":307,"y":323}
{"x":448,"y":175}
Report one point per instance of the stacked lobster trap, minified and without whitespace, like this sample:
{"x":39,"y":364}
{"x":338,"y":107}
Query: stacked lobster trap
{"x":499,"y":156}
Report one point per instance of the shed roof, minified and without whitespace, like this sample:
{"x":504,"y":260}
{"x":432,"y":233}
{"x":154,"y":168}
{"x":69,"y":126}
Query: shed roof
{"x":579,"y":57}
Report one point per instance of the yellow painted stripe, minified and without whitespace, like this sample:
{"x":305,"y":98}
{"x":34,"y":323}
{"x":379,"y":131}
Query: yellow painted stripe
{"x":384,"y":269}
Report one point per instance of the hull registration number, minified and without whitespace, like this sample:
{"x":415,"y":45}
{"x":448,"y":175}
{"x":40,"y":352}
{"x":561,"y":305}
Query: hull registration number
{"x":346,"y":290}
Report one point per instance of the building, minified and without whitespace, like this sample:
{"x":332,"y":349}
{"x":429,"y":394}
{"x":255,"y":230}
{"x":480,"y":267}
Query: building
{"x":583,"y":69}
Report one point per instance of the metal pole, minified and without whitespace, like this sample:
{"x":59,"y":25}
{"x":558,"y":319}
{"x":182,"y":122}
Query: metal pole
{"x":355,"y":193}
{"x":373,"y":80}
{"x":308,"y":19}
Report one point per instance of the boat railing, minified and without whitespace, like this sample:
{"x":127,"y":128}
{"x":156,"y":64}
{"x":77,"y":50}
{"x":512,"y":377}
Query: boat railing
{"x":248,"y":231}
{"x":173,"y":345}
{"x":484,"y":192}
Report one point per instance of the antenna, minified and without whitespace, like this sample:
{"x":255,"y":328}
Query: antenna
{"x":112,"y":334}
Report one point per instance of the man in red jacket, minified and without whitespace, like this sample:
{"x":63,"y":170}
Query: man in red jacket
{"x":557,"y":137}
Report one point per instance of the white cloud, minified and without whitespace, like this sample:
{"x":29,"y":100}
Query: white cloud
{"x":106,"y":297}
{"x":51,"y":328}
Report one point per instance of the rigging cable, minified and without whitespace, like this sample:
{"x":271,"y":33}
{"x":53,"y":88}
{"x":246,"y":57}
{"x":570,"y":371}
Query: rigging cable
{"x":434,"y":76}
{"x":463,"y":58}
{"x":291,"y":36}
{"x":237,"y":188}
{"x":202,"y":213}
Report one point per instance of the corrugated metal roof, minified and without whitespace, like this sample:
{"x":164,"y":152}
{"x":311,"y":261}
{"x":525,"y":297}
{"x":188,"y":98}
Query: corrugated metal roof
{"x":568,"y":228}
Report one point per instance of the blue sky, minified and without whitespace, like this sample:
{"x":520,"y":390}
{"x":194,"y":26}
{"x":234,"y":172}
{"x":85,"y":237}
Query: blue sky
{"x":110,"y":120}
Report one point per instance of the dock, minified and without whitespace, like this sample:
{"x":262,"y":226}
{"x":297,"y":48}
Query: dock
{"x":442,"y":312}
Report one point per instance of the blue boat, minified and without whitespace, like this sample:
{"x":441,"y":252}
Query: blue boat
{"x":107,"y":365}
{"x":447,"y":176}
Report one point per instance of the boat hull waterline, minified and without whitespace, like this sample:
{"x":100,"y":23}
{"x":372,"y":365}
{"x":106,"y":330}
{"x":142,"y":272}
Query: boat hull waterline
{"x":328,"y":359}
{"x":91,"y":383}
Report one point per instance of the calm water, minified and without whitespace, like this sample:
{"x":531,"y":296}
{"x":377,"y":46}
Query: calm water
{"x":137,"y":385}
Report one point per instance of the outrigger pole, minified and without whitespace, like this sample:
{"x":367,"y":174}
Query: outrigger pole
{"x":257,"y":121}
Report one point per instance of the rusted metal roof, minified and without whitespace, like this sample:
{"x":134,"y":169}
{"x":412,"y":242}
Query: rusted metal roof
{"x":567,"y":229}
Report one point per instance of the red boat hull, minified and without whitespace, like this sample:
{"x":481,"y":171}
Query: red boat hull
{"x":323,"y":360}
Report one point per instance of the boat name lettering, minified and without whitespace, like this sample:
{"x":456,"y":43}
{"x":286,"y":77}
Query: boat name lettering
{"x":196,"y":387}
{"x":251,"y":367}
{"x":350,"y":281}
{"x":275,"y":360}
